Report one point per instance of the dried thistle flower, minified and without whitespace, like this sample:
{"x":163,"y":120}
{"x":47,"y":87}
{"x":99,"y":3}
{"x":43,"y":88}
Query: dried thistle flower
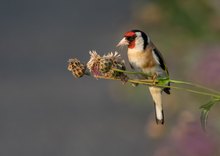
{"x":93,"y":63}
{"x":113,"y":56}
{"x":104,"y":66}
{"x":117,"y":63}
{"x":78,"y":69}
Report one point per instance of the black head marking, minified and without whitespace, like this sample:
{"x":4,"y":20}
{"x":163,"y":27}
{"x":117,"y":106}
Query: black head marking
{"x":145,"y":37}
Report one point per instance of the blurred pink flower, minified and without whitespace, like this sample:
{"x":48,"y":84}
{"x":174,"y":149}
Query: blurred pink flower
{"x":207,"y":70}
{"x":187,"y":139}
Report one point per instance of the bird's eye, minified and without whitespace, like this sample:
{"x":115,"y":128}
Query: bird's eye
{"x":130,"y":38}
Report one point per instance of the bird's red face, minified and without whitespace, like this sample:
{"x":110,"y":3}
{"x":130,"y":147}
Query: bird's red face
{"x":129,"y":40}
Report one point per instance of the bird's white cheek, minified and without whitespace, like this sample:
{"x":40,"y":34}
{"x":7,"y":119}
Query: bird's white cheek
{"x":139,"y":44}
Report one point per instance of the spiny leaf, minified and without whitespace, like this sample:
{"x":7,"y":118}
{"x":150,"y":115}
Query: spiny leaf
{"x":205,"y":111}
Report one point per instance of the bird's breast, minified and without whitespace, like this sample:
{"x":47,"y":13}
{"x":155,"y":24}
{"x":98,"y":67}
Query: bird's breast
{"x":143,"y":60}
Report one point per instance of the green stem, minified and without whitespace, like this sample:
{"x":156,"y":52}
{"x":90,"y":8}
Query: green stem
{"x":179,"y":82}
{"x":194,"y":85}
{"x":129,"y":72}
{"x":217,"y":96}
{"x":180,"y":88}
{"x":194,"y":91}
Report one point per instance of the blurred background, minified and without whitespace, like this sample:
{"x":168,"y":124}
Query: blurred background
{"x":45,"y":111}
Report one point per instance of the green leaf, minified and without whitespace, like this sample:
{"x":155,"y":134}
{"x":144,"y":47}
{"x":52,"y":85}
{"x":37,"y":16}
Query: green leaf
{"x":205,"y":111}
{"x":163,"y":81}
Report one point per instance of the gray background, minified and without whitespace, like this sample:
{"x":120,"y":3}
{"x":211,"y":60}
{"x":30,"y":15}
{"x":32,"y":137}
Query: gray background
{"x":44,"y":111}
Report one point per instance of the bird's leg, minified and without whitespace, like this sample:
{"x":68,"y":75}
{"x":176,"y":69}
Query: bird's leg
{"x":154,"y":78}
{"x":134,"y":84}
{"x":124,"y":78}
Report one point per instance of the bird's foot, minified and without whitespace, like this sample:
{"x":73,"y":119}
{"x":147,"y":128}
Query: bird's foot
{"x":154,"y":78}
{"x":134,"y":84}
{"x":124,"y":78}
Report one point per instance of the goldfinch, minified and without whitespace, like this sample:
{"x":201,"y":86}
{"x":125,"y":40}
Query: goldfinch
{"x":145,"y":57}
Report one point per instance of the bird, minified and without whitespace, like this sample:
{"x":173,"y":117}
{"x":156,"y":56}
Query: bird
{"x":143,"y":56}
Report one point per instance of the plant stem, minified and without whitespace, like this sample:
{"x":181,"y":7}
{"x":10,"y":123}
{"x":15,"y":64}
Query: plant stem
{"x":195,"y":91}
{"x":194,"y":85}
{"x":217,"y":93}
{"x":130,"y":72}
{"x":150,"y":82}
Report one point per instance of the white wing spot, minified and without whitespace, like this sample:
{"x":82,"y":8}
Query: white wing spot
{"x":155,"y":57}
{"x":148,"y":39}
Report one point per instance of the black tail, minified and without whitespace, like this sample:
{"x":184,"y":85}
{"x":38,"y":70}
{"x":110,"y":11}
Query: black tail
{"x":167,"y":89}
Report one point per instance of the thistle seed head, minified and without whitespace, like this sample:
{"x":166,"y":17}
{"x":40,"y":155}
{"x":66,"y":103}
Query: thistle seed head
{"x":105,"y":65}
{"x":78,"y":69}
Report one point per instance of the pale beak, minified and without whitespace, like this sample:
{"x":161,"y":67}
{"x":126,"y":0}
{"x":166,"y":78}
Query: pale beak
{"x":123,"y":42}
